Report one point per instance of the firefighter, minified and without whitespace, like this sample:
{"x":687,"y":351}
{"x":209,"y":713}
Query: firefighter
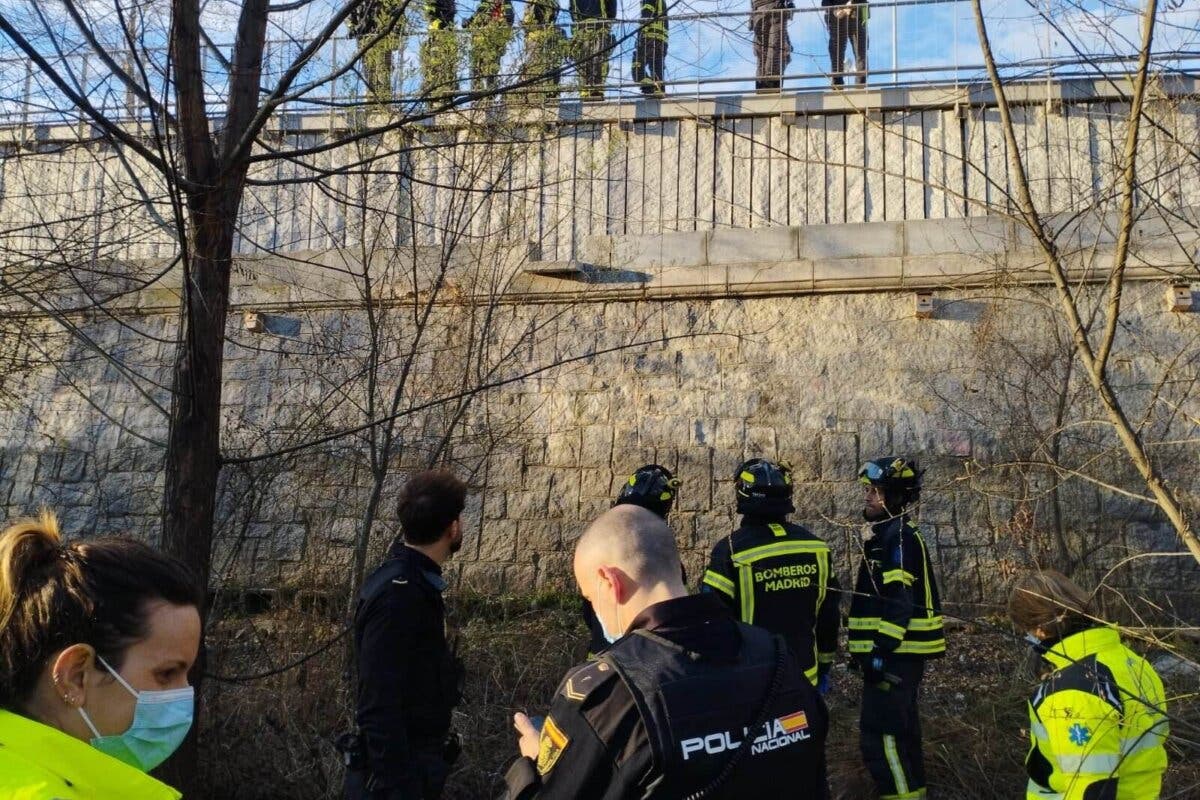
{"x":895,"y":626}
{"x":777,"y":574}
{"x":592,"y":43}
{"x":545,"y":46}
{"x":409,"y":679}
{"x":687,"y":702}
{"x":650,"y":49}
{"x":1097,"y":722}
{"x":491,"y":28}
{"x":772,"y":46}
{"x":439,"y":51}
{"x":654,"y":488}
{"x":368,"y":20}
{"x":847,"y":21}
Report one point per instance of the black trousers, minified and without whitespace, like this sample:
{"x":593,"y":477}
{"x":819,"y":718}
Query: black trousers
{"x":842,"y":29}
{"x":649,"y":61}
{"x":427,"y":779}
{"x":890,"y":728}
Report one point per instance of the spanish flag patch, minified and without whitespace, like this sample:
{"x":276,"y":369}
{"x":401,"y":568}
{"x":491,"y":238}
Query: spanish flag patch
{"x":550,"y":746}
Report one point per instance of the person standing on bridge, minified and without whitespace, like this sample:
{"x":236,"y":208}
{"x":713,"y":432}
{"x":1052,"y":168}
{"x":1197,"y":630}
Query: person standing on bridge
{"x":772,"y":48}
{"x":895,"y":625}
{"x":545,"y":46}
{"x":650,"y":49}
{"x":686,"y":702}
{"x":847,"y":20}
{"x":592,"y":43}
{"x":439,"y":52}
{"x":776,"y":574}
{"x":491,"y":28}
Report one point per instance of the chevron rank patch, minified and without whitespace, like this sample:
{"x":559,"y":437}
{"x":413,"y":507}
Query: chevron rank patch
{"x":550,"y":746}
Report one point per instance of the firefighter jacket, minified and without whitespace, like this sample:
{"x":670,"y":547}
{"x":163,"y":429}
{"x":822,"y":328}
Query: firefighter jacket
{"x":654,"y":20}
{"x":777,"y":575}
{"x":593,"y":9}
{"x":408,"y":677}
{"x":896,"y":608}
{"x":38,"y":762}
{"x":660,"y":714}
{"x":1097,"y":723}
{"x":491,"y":12}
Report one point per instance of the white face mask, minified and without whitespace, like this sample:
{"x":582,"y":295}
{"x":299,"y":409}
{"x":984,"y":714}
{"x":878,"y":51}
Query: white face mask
{"x":608,"y":636}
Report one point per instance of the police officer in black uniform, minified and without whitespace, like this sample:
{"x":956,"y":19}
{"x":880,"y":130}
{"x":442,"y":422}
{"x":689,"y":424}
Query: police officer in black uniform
{"x":895,"y":626}
{"x":408,"y":678}
{"x":654,"y":488}
{"x":686,"y":703}
{"x":775,"y":573}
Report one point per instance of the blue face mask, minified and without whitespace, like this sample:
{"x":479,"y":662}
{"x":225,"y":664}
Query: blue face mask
{"x":161,"y":720}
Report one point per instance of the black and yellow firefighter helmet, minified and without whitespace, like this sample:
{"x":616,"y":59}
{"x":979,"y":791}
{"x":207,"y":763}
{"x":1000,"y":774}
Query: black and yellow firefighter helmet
{"x":899,"y":477}
{"x":652,"y":487}
{"x":764,"y":488}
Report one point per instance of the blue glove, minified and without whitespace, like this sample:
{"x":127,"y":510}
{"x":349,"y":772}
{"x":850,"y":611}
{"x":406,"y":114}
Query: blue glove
{"x":823,"y":684}
{"x":877,"y":664}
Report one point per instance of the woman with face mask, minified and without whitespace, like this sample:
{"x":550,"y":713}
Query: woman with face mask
{"x":1097,"y":722}
{"x":96,"y":640}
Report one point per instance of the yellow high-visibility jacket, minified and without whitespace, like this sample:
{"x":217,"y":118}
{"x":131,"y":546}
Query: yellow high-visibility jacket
{"x":1097,"y":724}
{"x":38,"y":762}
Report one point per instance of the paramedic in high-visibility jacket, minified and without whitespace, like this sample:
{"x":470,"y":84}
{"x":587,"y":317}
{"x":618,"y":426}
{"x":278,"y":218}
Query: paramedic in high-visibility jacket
{"x":895,"y":626}
{"x":1098,"y":721}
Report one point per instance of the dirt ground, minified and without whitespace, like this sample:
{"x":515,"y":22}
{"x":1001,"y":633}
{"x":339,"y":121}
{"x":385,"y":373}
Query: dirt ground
{"x":273,"y":738}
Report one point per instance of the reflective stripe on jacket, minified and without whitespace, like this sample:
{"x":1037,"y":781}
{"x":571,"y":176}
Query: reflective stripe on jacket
{"x":896,"y":608}
{"x":38,"y":762}
{"x":1097,"y":724}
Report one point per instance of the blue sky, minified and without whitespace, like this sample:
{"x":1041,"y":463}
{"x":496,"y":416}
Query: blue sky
{"x":938,"y":37}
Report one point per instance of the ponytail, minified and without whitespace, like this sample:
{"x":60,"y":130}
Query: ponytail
{"x":54,"y":594}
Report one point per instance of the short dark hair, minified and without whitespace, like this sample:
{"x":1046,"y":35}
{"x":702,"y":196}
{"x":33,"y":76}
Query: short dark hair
{"x":54,"y":594}
{"x":429,"y":502}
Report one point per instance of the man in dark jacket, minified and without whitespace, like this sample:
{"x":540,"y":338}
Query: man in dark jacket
{"x":895,"y":626}
{"x":847,"y":21}
{"x":408,"y":678}
{"x":776,"y":574}
{"x":686,"y":702}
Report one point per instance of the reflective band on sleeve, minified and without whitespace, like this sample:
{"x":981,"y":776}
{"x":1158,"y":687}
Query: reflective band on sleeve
{"x":925,"y":623}
{"x":899,"y":575}
{"x":864,"y":623}
{"x":891,"y":629}
{"x":719,"y":582}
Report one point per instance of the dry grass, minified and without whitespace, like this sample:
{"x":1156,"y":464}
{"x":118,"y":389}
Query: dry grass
{"x":272,"y":739}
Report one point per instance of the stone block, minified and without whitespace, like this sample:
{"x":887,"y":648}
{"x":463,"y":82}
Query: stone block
{"x":738,"y":245}
{"x":562,"y":448}
{"x":554,"y":571}
{"x":761,"y":442}
{"x":839,"y":455}
{"x":595,"y":482}
{"x":649,"y":251}
{"x":526,"y":504}
{"x":951,"y":442}
{"x":865,"y":273}
{"x":596,"y":446}
{"x":974,"y":236}
{"x":287,"y":542}
{"x":536,"y":536}
{"x":498,"y":541}
{"x":823,"y":243}
{"x":483,"y":576}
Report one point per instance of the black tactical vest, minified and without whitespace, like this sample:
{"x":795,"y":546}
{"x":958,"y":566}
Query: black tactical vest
{"x":698,"y":711}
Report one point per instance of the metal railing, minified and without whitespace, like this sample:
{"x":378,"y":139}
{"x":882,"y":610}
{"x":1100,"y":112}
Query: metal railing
{"x":909,"y":42}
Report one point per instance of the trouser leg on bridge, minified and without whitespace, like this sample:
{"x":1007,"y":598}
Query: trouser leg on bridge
{"x":649,"y":60}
